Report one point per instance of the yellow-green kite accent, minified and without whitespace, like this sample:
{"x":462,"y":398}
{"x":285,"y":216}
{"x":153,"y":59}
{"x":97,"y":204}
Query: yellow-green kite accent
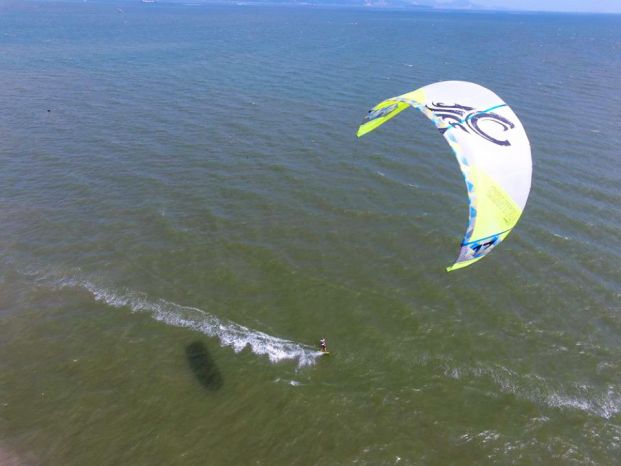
{"x":491,"y":147}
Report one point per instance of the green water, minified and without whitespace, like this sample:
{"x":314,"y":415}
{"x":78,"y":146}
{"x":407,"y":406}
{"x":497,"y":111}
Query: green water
{"x":194,"y":212}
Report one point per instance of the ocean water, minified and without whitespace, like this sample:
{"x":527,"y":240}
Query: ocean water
{"x":185,"y":211}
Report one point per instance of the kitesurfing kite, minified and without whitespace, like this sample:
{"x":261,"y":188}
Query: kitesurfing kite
{"x":491,"y":147}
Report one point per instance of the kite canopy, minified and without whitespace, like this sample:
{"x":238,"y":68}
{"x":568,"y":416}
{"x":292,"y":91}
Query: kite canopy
{"x":491,"y":147}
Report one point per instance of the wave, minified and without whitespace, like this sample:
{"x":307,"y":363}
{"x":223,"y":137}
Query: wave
{"x":230,"y":334}
{"x":606,"y":405}
{"x":539,"y":390}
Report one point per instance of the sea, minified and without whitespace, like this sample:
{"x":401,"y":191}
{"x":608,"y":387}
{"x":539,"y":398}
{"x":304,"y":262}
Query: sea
{"x":185,"y":210}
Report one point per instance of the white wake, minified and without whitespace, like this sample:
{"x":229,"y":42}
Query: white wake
{"x":229,"y":333}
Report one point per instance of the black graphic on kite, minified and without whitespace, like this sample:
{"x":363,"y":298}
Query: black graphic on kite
{"x":467,"y":119}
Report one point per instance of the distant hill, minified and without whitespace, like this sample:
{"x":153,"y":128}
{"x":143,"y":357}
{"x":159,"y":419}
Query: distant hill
{"x":417,"y":4}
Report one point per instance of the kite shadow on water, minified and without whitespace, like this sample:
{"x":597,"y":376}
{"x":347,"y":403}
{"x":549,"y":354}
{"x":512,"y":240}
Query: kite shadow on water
{"x":203,"y":366}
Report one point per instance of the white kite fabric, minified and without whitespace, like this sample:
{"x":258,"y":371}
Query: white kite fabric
{"x":491,"y":147}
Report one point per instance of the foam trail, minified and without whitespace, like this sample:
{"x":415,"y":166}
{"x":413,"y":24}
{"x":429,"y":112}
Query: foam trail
{"x":229,"y":333}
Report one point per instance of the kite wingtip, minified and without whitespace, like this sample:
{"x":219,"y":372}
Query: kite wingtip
{"x":462,"y":264}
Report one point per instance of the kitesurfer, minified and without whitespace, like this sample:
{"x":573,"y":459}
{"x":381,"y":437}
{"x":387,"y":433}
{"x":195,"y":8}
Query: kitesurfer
{"x":322,"y":345}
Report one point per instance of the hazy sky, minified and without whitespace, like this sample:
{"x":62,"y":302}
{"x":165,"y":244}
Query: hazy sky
{"x":598,"y":6}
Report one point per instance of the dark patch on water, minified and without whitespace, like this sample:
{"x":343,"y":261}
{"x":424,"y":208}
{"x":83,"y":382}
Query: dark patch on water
{"x":203,"y":366}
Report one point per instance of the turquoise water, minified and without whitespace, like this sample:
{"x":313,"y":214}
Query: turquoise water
{"x":185,"y":211}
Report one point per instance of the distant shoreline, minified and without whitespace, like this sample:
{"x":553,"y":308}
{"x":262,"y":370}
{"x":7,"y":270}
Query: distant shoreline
{"x":368,"y":5}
